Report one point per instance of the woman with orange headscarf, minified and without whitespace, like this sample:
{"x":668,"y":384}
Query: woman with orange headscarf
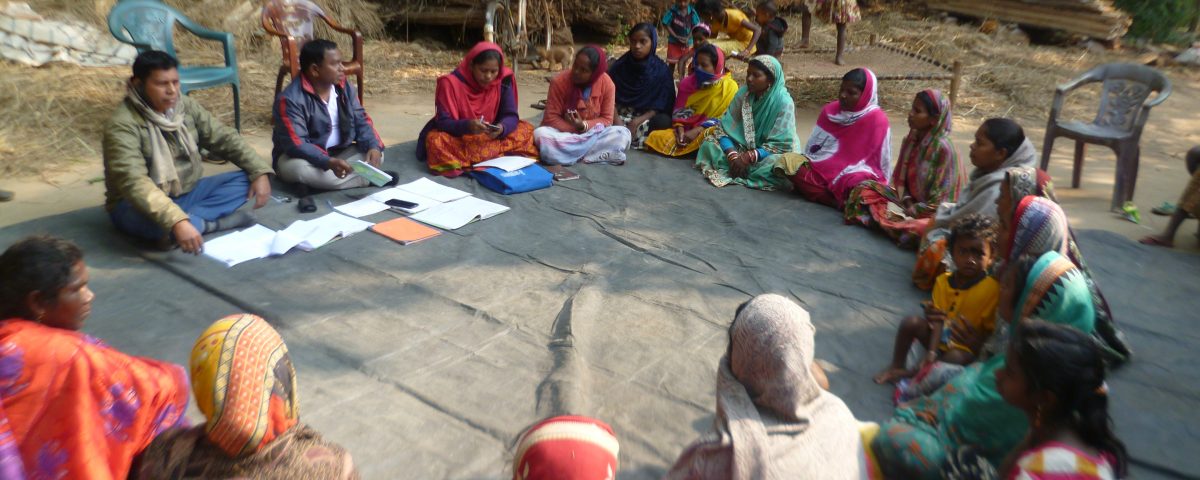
{"x":70,"y":406}
{"x":245,"y":386}
{"x":476,"y":115}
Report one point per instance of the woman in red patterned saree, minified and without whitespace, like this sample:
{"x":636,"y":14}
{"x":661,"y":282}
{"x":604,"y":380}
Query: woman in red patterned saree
{"x":476,"y":116}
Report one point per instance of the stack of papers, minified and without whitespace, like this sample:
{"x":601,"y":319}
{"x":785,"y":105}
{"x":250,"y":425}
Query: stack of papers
{"x":436,"y":191}
{"x":261,"y":242}
{"x":437,"y":205}
{"x":424,"y":192}
{"x":506,"y":163}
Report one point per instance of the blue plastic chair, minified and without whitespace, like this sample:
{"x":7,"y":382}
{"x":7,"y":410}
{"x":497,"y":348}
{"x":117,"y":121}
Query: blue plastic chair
{"x":150,"y":25}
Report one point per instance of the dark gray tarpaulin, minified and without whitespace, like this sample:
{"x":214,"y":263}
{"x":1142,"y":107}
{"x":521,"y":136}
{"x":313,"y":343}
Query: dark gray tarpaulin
{"x":606,"y":296}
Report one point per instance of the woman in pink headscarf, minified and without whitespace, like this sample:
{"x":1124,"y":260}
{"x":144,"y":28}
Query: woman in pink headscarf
{"x":850,"y":144}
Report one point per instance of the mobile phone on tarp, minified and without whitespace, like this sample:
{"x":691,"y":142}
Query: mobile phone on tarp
{"x":395,"y":202}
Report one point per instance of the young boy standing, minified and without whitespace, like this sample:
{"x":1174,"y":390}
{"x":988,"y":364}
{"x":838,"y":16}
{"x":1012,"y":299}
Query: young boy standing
{"x":837,"y":12}
{"x":774,"y":26}
{"x":742,"y":32}
{"x":680,"y":19}
{"x":964,"y":299}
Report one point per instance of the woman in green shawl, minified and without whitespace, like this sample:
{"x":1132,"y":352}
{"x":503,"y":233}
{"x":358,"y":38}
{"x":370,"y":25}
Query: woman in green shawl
{"x":759,"y":125}
{"x":968,"y":412}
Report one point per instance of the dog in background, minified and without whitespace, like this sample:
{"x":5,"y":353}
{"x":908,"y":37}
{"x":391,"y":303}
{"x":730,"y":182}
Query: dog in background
{"x":557,"y":57}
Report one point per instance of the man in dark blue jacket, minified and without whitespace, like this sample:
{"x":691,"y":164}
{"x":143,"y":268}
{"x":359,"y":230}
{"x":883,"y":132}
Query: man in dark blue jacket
{"x":320,"y":126}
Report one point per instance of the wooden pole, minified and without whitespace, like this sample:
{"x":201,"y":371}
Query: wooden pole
{"x":1195,"y":18}
{"x":955,"y":81}
{"x":549,"y":26}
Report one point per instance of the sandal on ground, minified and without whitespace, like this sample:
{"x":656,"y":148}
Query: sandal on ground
{"x":1166,"y":209}
{"x":540,"y":105}
{"x":1154,"y":241}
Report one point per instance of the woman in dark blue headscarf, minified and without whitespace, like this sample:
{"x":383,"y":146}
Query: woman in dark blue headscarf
{"x":645,"y":86}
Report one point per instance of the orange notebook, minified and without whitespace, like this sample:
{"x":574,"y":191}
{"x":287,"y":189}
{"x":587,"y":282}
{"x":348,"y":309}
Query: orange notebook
{"x":405,"y":231}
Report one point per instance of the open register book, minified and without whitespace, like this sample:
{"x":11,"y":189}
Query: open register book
{"x":456,"y":214}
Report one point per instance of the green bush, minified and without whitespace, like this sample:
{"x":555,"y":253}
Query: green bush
{"x":1159,"y":20}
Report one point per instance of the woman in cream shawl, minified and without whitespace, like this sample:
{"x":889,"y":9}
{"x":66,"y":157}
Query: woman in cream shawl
{"x":774,"y":421}
{"x":1000,"y":144}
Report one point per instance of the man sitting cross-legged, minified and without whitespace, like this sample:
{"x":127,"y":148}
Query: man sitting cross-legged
{"x":152,"y":163}
{"x":320,"y":126}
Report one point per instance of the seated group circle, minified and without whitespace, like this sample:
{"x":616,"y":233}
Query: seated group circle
{"x":1039,"y":398}
{"x":1011,"y":295}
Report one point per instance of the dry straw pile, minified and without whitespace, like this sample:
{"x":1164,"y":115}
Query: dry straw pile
{"x":54,"y":115}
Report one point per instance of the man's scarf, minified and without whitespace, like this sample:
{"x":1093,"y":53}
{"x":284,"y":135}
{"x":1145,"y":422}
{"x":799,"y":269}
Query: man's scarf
{"x":162,"y":162}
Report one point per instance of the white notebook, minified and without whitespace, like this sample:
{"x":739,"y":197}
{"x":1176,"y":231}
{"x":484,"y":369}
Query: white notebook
{"x":397,"y":193}
{"x":261,"y":242}
{"x":362,"y":207}
{"x":453,"y":215}
{"x":250,"y":244}
{"x":507,"y":163}
{"x":436,"y":191}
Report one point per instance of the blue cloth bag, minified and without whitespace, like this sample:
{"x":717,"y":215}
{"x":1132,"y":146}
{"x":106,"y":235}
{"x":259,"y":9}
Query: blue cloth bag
{"x":527,"y":179}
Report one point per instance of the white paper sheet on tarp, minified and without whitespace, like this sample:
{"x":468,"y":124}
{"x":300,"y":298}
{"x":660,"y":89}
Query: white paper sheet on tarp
{"x":453,"y":215}
{"x":30,"y":39}
{"x":238,"y":247}
{"x":507,"y":163}
{"x":423,"y":202}
{"x":431,"y":189}
{"x":362,"y":208}
{"x":331,"y":226}
{"x":261,"y":242}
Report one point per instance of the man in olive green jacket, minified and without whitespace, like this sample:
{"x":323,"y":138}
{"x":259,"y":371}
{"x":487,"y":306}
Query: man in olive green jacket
{"x":153,"y":169}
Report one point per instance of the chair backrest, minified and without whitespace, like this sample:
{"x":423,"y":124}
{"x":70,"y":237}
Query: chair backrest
{"x":145,"y":24}
{"x":293,"y":17}
{"x":1126,"y":86}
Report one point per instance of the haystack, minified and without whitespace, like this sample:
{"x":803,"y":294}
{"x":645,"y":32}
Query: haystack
{"x":46,"y":128}
{"x":1097,"y":19}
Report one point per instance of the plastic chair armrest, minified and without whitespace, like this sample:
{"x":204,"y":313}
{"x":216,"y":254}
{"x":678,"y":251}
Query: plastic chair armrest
{"x":1087,"y":77}
{"x":202,"y":32}
{"x":337,"y":27}
{"x":358,"y":47}
{"x":1161,"y":97}
{"x":1060,"y":94}
{"x":225,"y":38}
{"x":266,"y":24}
{"x":1144,"y":113}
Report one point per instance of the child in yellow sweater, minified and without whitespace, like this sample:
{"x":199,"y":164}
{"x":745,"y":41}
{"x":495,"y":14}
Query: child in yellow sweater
{"x":967,"y":297}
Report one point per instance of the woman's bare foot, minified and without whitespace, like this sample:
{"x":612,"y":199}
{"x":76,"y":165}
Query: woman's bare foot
{"x":838,"y":60}
{"x":804,"y":43}
{"x":890,"y":375}
{"x":1157,"y":241}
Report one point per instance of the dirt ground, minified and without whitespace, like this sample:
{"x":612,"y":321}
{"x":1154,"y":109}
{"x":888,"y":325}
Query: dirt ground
{"x":1003,"y":77}
{"x":1172,"y":129}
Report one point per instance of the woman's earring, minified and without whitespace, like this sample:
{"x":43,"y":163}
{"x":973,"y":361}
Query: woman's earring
{"x":1037,"y":419}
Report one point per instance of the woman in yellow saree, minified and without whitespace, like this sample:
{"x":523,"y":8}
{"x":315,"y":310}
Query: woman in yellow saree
{"x":702,"y":99}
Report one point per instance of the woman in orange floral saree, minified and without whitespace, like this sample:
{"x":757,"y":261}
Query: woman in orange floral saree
{"x":70,"y":406}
